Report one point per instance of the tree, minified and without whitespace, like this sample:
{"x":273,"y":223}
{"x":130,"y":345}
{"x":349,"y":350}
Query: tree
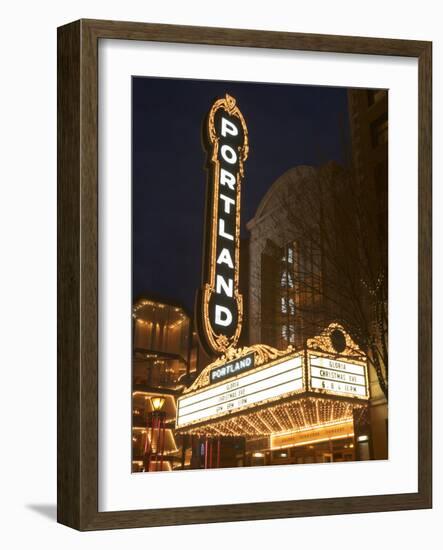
{"x":321,"y":242}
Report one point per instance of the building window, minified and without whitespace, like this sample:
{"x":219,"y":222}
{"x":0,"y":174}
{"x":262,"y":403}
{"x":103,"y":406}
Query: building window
{"x":288,"y":333}
{"x":287,"y":305}
{"x":284,"y":308}
{"x":291,"y":289}
{"x":286,"y":279}
{"x":300,"y":289}
{"x":290,"y":255}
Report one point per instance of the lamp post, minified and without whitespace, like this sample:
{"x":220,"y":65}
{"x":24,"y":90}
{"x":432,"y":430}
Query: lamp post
{"x":155,"y":437}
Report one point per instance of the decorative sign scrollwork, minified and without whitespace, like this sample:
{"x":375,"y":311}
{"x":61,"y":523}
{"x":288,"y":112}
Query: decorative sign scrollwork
{"x":263,"y":354}
{"x":336,"y":341}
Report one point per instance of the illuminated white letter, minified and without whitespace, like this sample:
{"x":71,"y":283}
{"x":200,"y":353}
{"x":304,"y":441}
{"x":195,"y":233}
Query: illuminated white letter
{"x":226,"y":178}
{"x":228,"y":154}
{"x":228,"y":128}
{"x":222,"y":285}
{"x":227,"y":320}
{"x":225,"y":258}
{"x":228,"y":201}
{"x":221,"y":230}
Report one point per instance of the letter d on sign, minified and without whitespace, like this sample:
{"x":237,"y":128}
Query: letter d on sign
{"x":223,"y":316}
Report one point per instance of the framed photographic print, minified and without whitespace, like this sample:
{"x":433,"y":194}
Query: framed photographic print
{"x":244,"y":283}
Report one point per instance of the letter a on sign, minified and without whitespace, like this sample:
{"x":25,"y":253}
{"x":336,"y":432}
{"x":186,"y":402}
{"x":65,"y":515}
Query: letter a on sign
{"x":219,"y":303}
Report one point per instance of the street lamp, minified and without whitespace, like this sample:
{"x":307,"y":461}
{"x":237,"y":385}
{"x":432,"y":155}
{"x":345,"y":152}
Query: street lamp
{"x":155,"y":437}
{"x":157,"y":403}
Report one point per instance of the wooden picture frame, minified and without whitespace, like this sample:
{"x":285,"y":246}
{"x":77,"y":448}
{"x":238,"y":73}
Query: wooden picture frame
{"x":77,"y":479}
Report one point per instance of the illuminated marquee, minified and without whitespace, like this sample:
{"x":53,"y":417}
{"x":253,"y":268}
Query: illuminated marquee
{"x":338,"y":377}
{"x":220,"y":303}
{"x":268,"y":383}
{"x":259,"y":390}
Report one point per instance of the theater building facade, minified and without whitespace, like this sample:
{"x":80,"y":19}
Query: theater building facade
{"x":266,"y":372}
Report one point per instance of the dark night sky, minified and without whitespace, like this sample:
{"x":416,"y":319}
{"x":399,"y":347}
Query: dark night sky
{"x":288,"y":125}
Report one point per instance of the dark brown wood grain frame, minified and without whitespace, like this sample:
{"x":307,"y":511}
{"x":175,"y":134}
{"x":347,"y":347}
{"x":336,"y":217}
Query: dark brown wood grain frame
{"x":77,"y":479}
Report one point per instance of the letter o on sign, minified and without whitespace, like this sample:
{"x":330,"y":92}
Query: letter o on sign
{"x":228,"y":154}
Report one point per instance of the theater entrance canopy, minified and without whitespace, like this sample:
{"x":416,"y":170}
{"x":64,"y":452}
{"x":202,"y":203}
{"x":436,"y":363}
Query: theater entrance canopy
{"x":260,"y":391}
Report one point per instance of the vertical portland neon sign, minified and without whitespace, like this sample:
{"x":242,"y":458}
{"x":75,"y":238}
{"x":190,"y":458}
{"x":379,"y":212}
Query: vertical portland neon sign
{"x":220,"y":303}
